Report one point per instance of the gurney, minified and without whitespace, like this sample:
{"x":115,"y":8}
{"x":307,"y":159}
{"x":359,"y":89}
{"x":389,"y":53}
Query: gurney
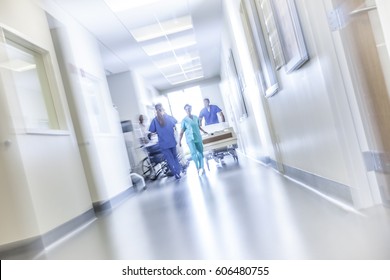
{"x":219,"y":144}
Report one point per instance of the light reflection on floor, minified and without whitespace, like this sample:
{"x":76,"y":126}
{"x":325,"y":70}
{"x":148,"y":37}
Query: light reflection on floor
{"x":236,"y":211}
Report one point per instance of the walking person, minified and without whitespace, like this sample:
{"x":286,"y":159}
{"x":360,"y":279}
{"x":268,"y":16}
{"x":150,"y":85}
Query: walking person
{"x":190,"y":126}
{"x":164,"y":126}
{"x":210,"y":113}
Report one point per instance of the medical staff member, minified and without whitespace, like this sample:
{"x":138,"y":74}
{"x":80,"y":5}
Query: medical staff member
{"x":164,"y":126}
{"x":210,"y":113}
{"x":190,"y":126}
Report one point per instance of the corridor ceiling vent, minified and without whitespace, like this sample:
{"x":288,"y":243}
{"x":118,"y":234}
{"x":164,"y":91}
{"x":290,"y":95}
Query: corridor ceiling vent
{"x":168,"y":39}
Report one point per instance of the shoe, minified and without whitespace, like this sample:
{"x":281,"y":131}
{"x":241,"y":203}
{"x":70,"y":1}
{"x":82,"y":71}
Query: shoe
{"x":177,"y":176}
{"x":201,"y":172}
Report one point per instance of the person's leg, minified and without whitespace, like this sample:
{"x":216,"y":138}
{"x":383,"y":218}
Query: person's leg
{"x":199,"y":150}
{"x":176,"y":161}
{"x":170,"y":160}
{"x":194,"y":154}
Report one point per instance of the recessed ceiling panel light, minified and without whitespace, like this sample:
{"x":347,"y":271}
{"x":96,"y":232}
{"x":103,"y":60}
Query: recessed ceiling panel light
{"x":172,"y":70}
{"x":161,"y":29}
{"x":122,"y":5}
{"x":178,"y":81}
{"x":157,"y":48}
{"x":163,"y":47}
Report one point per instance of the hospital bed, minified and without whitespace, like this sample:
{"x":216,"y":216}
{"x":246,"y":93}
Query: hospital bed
{"x":218,"y":144}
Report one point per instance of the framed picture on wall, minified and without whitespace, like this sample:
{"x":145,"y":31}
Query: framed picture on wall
{"x":270,"y":30}
{"x":291,"y":35}
{"x":237,"y":79}
{"x":266,"y":57}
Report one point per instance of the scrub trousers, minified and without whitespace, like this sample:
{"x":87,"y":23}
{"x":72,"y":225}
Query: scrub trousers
{"x":170,"y":155}
{"x":196,"y":149}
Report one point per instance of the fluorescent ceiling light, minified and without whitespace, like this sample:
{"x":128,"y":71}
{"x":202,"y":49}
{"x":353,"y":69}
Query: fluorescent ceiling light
{"x":18,"y":65}
{"x":191,"y":64}
{"x":184,"y":80}
{"x":186,"y":61}
{"x":194,"y":69}
{"x":172,"y":70}
{"x":157,"y":48}
{"x":123,"y":5}
{"x":161,"y":29}
{"x":192,"y":72}
{"x":164,"y":47}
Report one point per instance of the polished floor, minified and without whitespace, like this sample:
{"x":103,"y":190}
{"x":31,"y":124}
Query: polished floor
{"x":234,"y":211}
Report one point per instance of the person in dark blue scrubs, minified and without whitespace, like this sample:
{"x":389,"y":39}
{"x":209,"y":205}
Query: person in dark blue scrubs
{"x":164,"y":126}
{"x":210,"y":113}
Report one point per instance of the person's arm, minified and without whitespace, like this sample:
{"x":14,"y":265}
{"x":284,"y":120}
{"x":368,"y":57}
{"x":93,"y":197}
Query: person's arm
{"x":181,"y":136}
{"x":222,"y":116}
{"x":204,"y":131}
{"x":152,"y":127}
{"x":200,"y":117}
{"x":183,"y":129}
{"x":173,"y":120}
{"x":200,"y":120}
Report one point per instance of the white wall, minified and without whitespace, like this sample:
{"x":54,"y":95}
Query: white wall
{"x":133,"y":96}
{"x":255,"y":145}
{"x":123,"y":95}
{"x":45,"y":185}
{"x":103,"y":151}
{"x":383,"y":10}
{"x":311,"y":113}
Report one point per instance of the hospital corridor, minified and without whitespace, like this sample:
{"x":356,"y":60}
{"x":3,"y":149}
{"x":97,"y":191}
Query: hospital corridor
{"x":194,"y":130}
{"x":238,"y":211}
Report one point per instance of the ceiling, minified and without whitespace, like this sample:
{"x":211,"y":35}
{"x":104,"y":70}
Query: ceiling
{"x":170,"y":43}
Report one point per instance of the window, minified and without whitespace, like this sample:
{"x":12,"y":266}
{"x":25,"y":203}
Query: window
{"x":23,"y":71}
{"x":178,"y":99}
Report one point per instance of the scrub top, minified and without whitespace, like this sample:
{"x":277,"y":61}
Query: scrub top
{"x":166,"y":133}
{"x":211,"y":116}
{"x":191,"y":129}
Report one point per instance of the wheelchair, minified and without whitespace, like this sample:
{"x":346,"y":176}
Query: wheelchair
{"x":155,"y":164}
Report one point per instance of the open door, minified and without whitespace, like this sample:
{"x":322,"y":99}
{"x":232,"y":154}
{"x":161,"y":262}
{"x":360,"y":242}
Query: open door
{"x":358,"y":26}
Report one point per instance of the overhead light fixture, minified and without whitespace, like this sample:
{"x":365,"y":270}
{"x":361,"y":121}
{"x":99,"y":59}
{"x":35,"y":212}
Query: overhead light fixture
{"x":195,"y":71}
{"x":164,"y":47}
{"x":178,"y":81}
{"x":161,"y":29}
{"x":122,"y":5}
{"x":176,"y":60}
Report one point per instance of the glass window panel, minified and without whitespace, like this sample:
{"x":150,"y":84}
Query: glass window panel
{"x":26,"y":68}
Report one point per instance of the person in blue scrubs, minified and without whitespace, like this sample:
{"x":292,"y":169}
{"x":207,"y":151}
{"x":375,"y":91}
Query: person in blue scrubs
{"x":210,"y":113}
{"x":164,"y":126}
{"x":191,"y":127}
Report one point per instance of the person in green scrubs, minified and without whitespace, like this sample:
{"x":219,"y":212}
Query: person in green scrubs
{"x":191,"y":127}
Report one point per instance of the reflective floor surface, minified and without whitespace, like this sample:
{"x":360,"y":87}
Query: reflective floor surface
{"x":236,"y":211}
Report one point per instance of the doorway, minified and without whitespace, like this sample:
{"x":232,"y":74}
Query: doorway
{"x":368,"y":67}
{"x":177,"y":100}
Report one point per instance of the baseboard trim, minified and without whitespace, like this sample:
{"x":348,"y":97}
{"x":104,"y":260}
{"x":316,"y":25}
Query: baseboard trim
{"x":59,"y":232}
{"x":22,"y":250}
{"x":30,"y":248}
{"x":106,"y":205}
{"x":323,"y":185}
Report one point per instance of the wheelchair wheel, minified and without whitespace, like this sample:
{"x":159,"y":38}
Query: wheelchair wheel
{"x":148,"y":170}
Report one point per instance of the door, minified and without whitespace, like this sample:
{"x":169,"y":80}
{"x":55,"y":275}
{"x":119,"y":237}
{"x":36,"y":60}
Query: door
{"x":363,"y":46}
